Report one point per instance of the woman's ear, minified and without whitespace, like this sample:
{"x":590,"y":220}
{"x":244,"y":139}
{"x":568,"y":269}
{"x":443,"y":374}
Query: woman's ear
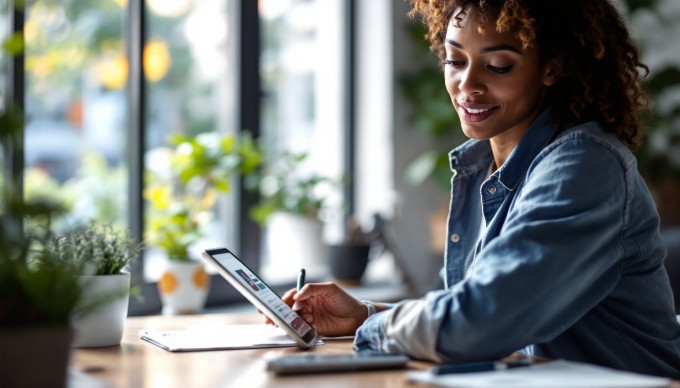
{"x":553,"y":71}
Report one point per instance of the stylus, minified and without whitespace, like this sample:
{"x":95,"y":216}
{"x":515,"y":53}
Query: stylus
{"x":301,"y":279}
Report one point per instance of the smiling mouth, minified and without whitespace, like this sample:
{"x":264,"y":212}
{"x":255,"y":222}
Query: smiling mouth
{"x":476,"y":114}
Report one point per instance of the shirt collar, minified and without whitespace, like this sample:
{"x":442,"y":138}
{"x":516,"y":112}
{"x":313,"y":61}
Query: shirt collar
{"x":475,"y":155}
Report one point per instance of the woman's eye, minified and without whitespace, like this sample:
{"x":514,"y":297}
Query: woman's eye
{"x":499,"y":70}
{"x":456,"y":64}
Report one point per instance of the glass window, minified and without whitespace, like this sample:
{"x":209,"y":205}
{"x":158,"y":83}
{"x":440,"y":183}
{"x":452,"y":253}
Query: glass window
{"x":301,"y":65}
{"x":189,"y":89}
{"x":76,"y":73}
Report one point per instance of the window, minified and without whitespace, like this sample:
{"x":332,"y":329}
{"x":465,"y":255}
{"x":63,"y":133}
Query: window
{"x":204,"y":72}
{"x":75,"y":88}
{"x":189,"y":91}
{"x":302,"y":66}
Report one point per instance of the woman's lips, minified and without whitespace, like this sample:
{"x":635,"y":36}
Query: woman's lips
{"x":475,"y":112}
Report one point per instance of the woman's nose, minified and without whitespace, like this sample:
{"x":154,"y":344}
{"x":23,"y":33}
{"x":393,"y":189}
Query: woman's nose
{"x":471,"y":82}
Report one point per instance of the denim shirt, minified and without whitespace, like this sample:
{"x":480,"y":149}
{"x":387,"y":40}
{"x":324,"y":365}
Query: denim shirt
{"x":570,"y":266}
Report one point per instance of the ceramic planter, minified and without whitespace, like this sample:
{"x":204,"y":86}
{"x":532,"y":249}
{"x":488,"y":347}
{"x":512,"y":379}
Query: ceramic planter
{"x":104,"y":325}
{"x":183,"y":287}
{"x":294,"y":241}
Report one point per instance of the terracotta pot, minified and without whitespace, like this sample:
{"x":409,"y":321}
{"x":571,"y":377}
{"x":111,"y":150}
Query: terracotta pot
{"x":34,"y":356}
{"x":183,"y":287}
{"x":104,"y":325}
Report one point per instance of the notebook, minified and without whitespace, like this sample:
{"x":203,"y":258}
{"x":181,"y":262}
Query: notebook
{"x":558,"y":373}
{"x":221,"y":337}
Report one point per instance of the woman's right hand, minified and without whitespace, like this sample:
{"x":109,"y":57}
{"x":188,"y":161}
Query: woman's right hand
{"x":328,"y":308}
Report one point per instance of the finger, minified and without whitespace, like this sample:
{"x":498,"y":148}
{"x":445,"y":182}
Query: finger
{"x":313,"y":289}
{"x":289,"y":296}
{"x":298,"y":305}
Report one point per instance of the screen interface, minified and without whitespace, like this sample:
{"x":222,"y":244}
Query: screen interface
{"x":267,"y":296}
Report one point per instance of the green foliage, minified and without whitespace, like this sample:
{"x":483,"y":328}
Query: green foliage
{"x":432,"y":114}
{"x":284,"y":187}
{"x":182,"y":201}
{"x":96,"y":250}
{"x":659,"y":155}
{"x":35,"y":287}
{"x":202,"y":167}
{"x":14,"y":44}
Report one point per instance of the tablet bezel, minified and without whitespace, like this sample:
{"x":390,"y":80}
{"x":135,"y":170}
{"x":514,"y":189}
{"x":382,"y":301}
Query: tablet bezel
{"x":305,"y":342}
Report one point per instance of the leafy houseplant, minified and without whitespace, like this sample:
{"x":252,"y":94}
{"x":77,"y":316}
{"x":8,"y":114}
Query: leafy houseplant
{"x":38,"y":294}
{"x":291,"y":207}
{"x":183,"y":190}
{"x":103,"y":255}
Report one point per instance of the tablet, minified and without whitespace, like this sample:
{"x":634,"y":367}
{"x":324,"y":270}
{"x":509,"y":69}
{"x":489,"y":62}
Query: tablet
{"x":318,"y":363}
{"x":259,"y":294}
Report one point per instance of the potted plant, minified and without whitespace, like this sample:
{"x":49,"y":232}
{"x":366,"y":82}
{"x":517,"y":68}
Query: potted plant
{"x":37,"y":296}
{"x":291,"y":204}
{"x":184,"y":186}
{"x":347,"y":260}
{"x":103,"y":255}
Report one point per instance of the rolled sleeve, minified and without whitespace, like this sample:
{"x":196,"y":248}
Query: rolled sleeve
{"x":370,"y":335}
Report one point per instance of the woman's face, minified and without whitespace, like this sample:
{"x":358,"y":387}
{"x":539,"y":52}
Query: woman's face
{"x":497,"y":88}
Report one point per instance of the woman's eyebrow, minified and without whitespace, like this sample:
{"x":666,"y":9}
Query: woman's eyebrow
{"x":498,"y":47}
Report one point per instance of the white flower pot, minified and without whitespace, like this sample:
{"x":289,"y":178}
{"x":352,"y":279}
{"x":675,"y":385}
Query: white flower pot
{"x":183,"y":287}
{"x":104,"y":325}
{"x":294,"y":242}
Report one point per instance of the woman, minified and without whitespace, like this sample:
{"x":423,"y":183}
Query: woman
{"x":554,"y":246}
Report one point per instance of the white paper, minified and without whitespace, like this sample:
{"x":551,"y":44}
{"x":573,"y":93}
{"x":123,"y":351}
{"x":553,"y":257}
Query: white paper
{"x":559,"y":373}
{"x":197,"y":338}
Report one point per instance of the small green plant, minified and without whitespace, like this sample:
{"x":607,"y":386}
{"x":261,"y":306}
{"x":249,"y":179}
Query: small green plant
{"x":96,"y":250}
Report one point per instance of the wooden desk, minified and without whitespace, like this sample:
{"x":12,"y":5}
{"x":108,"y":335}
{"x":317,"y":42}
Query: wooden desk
{"x":137,"y":363}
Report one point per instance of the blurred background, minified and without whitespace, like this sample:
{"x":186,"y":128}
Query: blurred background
{"x":348,"y":84}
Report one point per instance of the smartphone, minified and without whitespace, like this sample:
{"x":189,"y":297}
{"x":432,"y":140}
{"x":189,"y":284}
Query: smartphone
{"x":319,"y":363}
{"x":261,"y":296}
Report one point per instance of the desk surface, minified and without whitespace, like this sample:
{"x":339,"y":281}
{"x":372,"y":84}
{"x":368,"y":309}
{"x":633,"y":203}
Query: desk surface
{"x":137,"y":363}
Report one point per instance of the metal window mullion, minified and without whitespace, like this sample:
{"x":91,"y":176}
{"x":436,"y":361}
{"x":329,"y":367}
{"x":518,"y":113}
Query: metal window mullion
{"x":136,"y":96}
{"x":16,"y":85}
{"x":350,"y":115}
{"x":250,"y":94}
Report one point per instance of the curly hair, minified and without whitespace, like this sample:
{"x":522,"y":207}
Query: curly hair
{"x":599,"y":64}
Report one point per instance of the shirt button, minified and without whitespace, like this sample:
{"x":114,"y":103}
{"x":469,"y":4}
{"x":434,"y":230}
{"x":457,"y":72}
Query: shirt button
{"x":455,"y":238}
{"x":491,"y":190}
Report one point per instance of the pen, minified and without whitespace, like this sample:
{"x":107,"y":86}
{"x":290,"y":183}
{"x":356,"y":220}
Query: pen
{"x":484,"y":366}
{"x":301,"y":279}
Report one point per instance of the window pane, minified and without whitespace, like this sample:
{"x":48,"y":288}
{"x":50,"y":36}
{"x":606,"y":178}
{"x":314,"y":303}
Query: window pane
{"x":189,"y":92}
{"x":301,"y":66}
{"x":76,"y":73}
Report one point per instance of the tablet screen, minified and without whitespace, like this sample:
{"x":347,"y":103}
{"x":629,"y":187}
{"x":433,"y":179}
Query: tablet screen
{"x":262,"y":292}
